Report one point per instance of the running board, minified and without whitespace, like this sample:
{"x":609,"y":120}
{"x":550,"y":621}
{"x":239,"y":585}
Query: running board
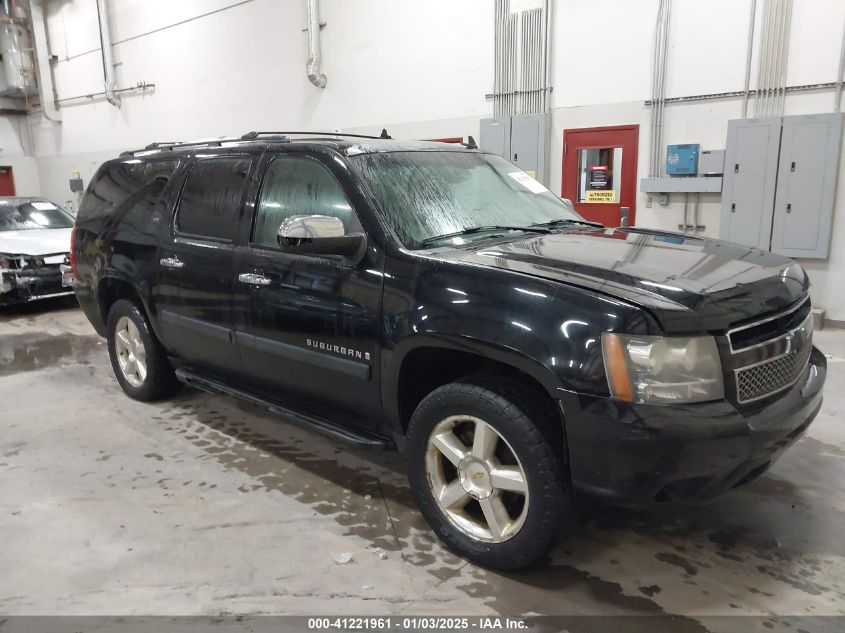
{"x":352,"y":437}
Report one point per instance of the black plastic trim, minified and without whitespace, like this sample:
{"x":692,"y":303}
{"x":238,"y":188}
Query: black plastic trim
{"x":197,"y":325}
{"x":293,"y":352}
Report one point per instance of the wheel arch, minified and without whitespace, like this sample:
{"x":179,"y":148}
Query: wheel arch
{"x":425,"y":363}
{"x":112,"y":286}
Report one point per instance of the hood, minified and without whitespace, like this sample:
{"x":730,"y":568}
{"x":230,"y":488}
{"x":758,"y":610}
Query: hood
{"x":690,"y":284}
{"x":35,"y":242}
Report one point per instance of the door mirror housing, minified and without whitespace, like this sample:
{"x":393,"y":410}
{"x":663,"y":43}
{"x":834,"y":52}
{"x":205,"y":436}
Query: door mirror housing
{"x":320,"y":235}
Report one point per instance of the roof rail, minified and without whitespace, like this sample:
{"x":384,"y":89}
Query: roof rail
{"x":171,"y":145}
{"x":251,"y":136}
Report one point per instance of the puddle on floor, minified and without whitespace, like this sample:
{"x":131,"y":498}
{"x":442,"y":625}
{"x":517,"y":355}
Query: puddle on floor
{"x":39,"y":350}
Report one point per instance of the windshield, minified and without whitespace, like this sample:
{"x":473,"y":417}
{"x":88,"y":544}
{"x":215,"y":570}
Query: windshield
{"x":431,"y":194}
{"x":34,"y":215}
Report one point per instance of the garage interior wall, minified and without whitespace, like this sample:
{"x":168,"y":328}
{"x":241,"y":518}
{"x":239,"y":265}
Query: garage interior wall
{"x":224,"y":67}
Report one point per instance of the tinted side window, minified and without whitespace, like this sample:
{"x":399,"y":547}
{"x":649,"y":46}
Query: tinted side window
{"x":295,"y":185}
{"x":212,"y":197}
{"x":126,"y":193}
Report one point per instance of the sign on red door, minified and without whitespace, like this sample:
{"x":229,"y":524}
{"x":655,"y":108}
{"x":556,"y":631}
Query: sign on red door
{"x":600,"y":172}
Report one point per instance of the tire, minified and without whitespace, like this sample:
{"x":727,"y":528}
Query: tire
{"x":158,"y":379}
{"x":528,"y":434}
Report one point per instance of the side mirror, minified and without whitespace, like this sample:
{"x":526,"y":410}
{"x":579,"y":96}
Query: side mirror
{"x":319,"y":235}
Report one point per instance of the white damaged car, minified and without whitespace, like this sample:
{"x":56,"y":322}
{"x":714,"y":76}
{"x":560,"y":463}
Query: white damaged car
{"x":35,"y":239}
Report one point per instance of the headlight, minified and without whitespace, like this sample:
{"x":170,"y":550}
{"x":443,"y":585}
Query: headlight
{"x":662,"y":370}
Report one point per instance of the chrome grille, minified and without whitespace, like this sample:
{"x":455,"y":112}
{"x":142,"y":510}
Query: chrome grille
{"x":770,"y":376}
{"x":784,"y":358}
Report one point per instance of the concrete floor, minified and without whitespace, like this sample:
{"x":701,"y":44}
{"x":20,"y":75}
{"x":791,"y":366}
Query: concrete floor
{"x":204,"y":505}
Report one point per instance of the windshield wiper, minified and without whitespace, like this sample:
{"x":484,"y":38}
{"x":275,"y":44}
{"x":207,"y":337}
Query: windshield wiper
{"x":489,"y":227}
{"x":569,"y":221}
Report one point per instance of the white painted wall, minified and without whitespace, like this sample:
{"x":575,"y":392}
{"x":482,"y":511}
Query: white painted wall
{"x":15,"y":152}
{"x":223,"y":67}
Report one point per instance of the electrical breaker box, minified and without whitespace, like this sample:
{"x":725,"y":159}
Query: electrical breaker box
{"x":780,"y":183}
{"x":522,"y":139}
{"x":682,"y":160}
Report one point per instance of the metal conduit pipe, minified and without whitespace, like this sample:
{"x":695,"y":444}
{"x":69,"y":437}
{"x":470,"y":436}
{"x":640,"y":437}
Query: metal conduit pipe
{"x":661,"y":104}
{"x":42,"y":62}
{"x":763,"y":60}
{"x":787,"y":33}
{"x":533,"y":61}
{"x":547,"y":59}
{"x":777,"y":66}
{"x":664,"y":71}
{"x":654,"y":96}
{"x":108,"y":54}
{"x":837,"y":101}
{"x":764,"y":32}
{"x":774,"y":50}
{"x":659,"y":83}
{"x":748,"y":58}
{"x":654,"y":93}
{"x":496,"y":55}
{"x":315,"y":59}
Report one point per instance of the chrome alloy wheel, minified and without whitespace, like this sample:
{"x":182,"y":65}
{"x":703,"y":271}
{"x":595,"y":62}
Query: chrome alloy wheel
{"x":476,"y":479}
{"x":131,"y":354}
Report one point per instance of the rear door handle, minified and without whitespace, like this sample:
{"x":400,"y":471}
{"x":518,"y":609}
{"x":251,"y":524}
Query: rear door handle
{"x":254,"y":279}
{"x":171,"y":262}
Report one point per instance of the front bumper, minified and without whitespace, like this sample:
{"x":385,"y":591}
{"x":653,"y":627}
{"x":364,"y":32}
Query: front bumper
{"x":636,"y":455}
{"x":29,"y":284}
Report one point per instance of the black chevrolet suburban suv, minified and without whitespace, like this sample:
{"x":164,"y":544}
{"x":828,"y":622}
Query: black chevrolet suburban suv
{"x":438,"y":300}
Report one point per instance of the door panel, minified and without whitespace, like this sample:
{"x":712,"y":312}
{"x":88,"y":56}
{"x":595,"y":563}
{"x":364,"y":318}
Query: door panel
{"x":600,"y":172}
{"x":197,"y":264}
{"x":308,"y":331}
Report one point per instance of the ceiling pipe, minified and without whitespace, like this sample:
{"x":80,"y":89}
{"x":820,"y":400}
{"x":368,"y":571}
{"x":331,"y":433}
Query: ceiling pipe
{"x":108,"y":54}
{"x":315,"y":58}
{"x":42,"y":62}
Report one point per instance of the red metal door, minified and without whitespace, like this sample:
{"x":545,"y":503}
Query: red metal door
{"x":600,"y":172}
{"x":7,"y":182}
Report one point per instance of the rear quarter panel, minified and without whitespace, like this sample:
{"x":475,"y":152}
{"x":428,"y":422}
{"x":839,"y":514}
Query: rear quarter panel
{"x":123,"y":217}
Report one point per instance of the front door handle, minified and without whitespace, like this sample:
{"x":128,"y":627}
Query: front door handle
{"x":171,"y":262}
{"x":254,"y":279}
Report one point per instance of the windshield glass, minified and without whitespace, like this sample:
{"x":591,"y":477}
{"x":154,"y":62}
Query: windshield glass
{"x":429,"y":194}
{"x":33,"y":215}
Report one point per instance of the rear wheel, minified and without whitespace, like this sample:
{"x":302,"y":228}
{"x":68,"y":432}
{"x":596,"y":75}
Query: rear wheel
{"x":138,"y":359}
{"x":486,"y":474}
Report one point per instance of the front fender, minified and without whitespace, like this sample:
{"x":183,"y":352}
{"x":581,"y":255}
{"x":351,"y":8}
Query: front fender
{"x":464,"y":343}
{"x":550,"y":331}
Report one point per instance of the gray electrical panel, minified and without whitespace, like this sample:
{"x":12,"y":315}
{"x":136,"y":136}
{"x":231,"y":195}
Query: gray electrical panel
{"x":495,"y":136}
{"x":780,"y":182}
{"x":748,"y":188}
{"x":522,"y":139}
{"x":809,"y":166}
{"x":711,"y":163}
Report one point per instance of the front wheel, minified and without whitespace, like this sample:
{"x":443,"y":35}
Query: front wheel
{"x":486,"y":475}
